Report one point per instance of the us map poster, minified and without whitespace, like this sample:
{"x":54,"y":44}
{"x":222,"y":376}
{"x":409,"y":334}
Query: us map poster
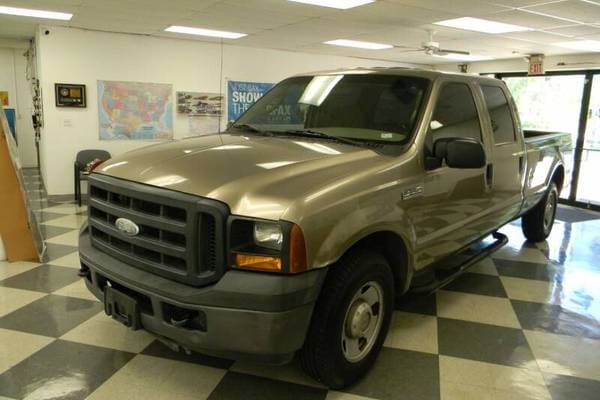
{"x":241,"y":95}
{"x":135,"y":110}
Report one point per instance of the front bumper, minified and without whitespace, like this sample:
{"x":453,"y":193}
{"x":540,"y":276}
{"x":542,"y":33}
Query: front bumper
{"x":247,"y":315}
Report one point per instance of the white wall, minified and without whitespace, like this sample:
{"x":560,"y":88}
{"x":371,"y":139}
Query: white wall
{"x":13,"y":80}
{"x":78,"y":56}
{"x":551,"y":63}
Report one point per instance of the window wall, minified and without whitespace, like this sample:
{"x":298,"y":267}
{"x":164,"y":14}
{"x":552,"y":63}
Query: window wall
{"x":565,"y":102}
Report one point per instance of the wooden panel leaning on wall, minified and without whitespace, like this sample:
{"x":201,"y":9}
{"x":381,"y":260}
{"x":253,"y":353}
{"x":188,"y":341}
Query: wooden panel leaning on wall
{"x":15,"y":228}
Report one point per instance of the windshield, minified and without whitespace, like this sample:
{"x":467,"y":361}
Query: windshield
{"x":364,"y":107}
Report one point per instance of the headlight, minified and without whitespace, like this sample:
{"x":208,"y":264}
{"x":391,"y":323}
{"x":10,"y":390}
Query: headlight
{"x":268,"y":235}
{"x":270,"y":246}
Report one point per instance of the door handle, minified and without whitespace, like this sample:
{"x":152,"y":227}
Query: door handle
{"x":489,"y":175}
{"x":521,"y":165}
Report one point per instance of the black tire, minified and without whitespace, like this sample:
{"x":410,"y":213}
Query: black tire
{"x":323,"y":355}
{"x":537,"y":222}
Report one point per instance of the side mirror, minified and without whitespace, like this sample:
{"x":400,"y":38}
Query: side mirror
{"x":460,"y":152}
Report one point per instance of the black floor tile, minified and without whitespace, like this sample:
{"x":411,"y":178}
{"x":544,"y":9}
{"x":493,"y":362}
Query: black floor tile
{"x":419,"y":304}
{"x":235,"y":386}
{"x":51,"y":315}
{"x":481,"y":342}
{"x":157,"y":349}
{"x":62,"y":370}
{"x":49,"y":231}
{"x":562,"y":387}
{"x":555,"y":319}
{"x":54,"y":251}
{"x":528,"y":270}
{"x":574,"y":215}
{"x":401,"y":374}
{"x":45,"y":278}
{"x":470,"y":282}
{"x":44,"y":216}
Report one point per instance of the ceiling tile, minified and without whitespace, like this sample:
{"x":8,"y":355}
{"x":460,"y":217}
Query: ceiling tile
{"x":576,"y":30}
{"x":575,"y":10}
{"x":529,"y":20}
{"x":519,"y":3}
{"x":388,"y":14}
{"x":462,"y":7}
{"x":284,"y":7}
{"x":537,"y":37}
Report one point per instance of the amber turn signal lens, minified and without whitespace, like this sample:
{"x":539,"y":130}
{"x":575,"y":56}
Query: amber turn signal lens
{"x":259,"y":263}
{"x":297,"y":250}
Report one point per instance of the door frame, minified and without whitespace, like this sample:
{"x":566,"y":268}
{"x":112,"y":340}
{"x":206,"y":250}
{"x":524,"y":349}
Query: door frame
{"x":589,"y":75}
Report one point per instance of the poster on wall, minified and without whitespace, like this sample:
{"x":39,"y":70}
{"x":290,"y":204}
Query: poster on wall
{"x":135,"y":110}
{"x":241,"y":95}
{"x":199,"y":104}
{"x":203,"y":126}
{"x":4,"y":98}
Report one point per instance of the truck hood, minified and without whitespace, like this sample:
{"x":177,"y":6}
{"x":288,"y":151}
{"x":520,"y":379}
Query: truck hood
{"x":254,"y":175}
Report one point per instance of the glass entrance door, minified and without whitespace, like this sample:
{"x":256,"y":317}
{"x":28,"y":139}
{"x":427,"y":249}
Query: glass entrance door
{"x":588,"y":189}
{"x":552,"y":103}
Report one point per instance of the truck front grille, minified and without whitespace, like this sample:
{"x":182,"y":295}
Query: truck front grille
{"x":180,"y":236}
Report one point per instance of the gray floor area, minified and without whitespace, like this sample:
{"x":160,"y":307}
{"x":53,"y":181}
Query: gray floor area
{"x":523,"y":324}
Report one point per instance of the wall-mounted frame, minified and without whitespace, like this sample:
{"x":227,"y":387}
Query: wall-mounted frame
{"x":69,"y":95}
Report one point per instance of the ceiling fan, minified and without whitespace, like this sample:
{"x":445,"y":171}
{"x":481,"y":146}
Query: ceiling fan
{"x":432,"y":48}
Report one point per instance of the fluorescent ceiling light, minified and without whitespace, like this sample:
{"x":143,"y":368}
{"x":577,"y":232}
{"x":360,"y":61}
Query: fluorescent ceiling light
{"x":463,"y":57}
{"x":341,"y":4}
{"x":481,"y":25}
{"x":318,"y":89}
{"x":359,"y":45}
{"x":26,"y":12}
{"x":585,"y":45}
{"x":205,"y":32}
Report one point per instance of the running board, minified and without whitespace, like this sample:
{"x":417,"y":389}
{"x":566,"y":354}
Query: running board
{"x":446,"y":270}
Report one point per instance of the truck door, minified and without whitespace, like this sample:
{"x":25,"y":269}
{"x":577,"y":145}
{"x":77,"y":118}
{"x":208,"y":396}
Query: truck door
{"x":452,"y":210}
{"x":506,"y":163}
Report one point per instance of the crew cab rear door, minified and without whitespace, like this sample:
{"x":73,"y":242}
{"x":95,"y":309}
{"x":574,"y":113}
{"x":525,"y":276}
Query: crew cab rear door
{"x":506,"y":161}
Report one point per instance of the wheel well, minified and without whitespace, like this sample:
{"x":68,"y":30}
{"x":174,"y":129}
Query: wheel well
{"x":393,"y":248}
{"x":559,"y":177}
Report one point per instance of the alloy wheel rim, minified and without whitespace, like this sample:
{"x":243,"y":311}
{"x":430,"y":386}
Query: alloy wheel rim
{"x":549,"y":211}
{"x":362,"y":322}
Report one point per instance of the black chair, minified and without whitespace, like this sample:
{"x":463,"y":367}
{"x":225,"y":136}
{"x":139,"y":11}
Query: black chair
{"x":84,"y":157}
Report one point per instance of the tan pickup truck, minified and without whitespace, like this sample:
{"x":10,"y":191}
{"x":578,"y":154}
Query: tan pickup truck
{"x":297,"y":229}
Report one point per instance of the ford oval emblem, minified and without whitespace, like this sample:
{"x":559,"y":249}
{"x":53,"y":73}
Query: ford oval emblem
{"x":127,"y":226}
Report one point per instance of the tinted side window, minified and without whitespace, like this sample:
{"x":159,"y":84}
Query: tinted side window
{"x":455,"y":115}
{"x":500,"y":114}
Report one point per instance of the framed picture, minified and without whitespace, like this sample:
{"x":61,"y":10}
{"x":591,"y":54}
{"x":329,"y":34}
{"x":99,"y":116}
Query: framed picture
{"x":69,"y":95}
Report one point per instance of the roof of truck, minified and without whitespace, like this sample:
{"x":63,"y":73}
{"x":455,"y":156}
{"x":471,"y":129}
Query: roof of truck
{"x":421,"y":72}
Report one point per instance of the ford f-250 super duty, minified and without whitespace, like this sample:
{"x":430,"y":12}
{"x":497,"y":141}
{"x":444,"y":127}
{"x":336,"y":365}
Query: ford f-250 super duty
{"x":296,"y":230}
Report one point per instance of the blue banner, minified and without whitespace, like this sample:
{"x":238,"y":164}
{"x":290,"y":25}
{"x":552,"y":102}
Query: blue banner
{"x":241,"y":95}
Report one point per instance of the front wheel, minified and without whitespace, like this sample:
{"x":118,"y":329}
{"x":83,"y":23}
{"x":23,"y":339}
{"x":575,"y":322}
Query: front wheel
{"x":350,"y":321}
{"x":537,"y":223}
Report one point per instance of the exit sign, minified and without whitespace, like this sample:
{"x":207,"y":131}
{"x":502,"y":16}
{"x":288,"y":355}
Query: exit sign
{"x":536,"y":64}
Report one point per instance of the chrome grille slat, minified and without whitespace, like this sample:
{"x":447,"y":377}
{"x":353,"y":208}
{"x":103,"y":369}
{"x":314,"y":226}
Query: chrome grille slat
{"x":149,"y":244}
{"x":180,"y":236}
{"x":157,"y":222}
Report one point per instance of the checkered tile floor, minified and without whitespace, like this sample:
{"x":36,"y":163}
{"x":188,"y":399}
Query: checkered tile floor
{"x":523,"y":324}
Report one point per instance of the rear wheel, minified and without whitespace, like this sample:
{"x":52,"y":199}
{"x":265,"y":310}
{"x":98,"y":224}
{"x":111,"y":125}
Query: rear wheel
{"x":350,"y":321}
{"x":537,"y":223}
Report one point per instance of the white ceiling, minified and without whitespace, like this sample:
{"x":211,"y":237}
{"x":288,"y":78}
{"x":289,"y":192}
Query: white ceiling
{"x":292,"y":26}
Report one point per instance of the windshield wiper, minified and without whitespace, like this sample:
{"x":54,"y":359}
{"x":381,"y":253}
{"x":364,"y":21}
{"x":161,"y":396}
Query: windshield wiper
{"x":251,"y":128}
{"x":319,"y":134}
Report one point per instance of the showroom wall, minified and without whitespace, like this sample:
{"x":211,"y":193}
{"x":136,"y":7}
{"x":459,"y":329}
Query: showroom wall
{"x":69,"y":55}
{"x":551,"y":63}
{"x":12,"y":79}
